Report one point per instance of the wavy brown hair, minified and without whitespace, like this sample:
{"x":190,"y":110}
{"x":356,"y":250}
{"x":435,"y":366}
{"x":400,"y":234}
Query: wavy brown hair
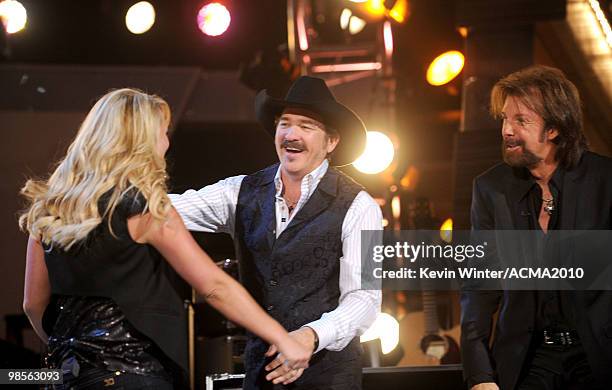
{"x":553,"y":97}
{"x":114,"y":152}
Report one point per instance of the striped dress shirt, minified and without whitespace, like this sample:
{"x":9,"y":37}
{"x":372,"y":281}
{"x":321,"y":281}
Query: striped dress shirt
{"x":213,"y":209}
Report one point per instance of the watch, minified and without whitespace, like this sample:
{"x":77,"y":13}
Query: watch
{"x":316,"y":339}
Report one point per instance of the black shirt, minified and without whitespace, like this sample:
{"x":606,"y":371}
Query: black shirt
{"x":550,"y":305}
{"x":85,"y":321}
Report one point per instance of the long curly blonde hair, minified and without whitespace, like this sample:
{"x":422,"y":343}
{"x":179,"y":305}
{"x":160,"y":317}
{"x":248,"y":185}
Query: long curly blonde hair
{"x":115,"y":151}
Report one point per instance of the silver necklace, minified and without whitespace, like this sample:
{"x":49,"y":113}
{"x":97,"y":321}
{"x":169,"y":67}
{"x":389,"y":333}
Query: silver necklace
{"x":549,"y":205}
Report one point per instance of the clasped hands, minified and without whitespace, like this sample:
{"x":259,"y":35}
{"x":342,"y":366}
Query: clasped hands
{"x":280,"y":372}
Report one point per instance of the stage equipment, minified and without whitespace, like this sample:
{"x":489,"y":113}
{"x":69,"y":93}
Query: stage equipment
{"x":446,"y":230}
{"x":375,"y":10}
{"x":446,"y":377}
{"x":350,"y":22}
{"x":320,"y":47}
{"x":385,"y":328}
{"x":140,"y":17}
{"x":445,"y":68}
{"x":13,"y":15}
{"x":378,"y":154}
{"x":214,"y":19}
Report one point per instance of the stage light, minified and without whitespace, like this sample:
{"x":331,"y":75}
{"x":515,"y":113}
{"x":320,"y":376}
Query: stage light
{"x":214,"y":19}
{"x":410,"y":180}
{"x":446,"y":231}
{"x":140,"y":17}
{"x":13,"y":15}
{"x":385,"y":328}
{"x":603,"y":21}
{"x":377,"y":10}
{"x":351,"y":22}
{"x":388,"y":39}
{"x":345,"y":17}
{"x":376,"y":7}
{"x":356,"y":25}
{"x":378,"y":154}
{"x":355,"y":67}
{"x":445,"y":68}
{"x":399,"y":11}
{"x":396,"y":207}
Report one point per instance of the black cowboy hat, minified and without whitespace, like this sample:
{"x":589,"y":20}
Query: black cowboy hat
{"x":312,"y":94}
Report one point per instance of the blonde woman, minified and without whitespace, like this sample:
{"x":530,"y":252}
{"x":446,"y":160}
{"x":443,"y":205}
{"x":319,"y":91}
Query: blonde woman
{"x":104,"y":244}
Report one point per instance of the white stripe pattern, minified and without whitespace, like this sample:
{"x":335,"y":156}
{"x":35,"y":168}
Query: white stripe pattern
{"x":213,"y":209}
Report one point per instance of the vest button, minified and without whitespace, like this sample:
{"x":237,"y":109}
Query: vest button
{"x":270,"y":308}
{"x":273,"y":283}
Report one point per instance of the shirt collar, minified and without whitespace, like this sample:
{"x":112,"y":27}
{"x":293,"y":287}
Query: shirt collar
{"x":311,"y":179}
{"x":556,"y":180}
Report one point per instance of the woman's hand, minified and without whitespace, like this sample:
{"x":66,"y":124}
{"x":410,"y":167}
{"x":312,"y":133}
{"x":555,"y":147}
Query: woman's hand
{"x":293,"y":354}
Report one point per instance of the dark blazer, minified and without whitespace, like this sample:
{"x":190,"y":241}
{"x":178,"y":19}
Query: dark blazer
{"x":586,"y":205}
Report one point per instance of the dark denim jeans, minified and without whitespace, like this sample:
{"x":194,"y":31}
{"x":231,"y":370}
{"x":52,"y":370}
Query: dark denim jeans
{"x":555,"y":367}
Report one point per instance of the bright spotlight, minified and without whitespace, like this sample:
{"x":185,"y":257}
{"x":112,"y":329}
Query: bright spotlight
{"x":385,"y":328}
{"x":446,"y":230}
{"x":14,"y":16}
{"x":396,"y":207}
{"x":345,"y":16}
{"x":376,"y":7}
{"x":399,"y":12}
{"x":214,"y":19}
{"x":351,"y":22}
{"x":356,"y":25}
{"x":445,"y":68}
{"x":140,"y":17}
{"x":378,"y":154}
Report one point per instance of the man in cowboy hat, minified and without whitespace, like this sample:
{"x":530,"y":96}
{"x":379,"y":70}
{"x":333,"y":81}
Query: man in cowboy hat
{"x":297,"y":231}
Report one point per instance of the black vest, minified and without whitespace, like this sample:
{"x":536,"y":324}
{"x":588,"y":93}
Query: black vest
{"x":134,"y":275}
{"x":295,"y":277}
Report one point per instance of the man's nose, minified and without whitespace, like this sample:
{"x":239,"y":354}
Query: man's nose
{"x":507,"y":128}
{"x":292,"y":133}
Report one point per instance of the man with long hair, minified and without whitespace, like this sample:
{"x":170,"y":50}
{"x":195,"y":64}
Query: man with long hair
{"x":297,"y":230}
{"x":548,"y":181}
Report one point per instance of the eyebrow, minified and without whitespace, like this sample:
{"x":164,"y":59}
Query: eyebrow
{"x":311,"y":122}
{"x":303,"y":121}
{"x":519,"y":115}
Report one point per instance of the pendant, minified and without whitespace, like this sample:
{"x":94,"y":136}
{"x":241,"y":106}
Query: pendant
{"x":549,"y":206}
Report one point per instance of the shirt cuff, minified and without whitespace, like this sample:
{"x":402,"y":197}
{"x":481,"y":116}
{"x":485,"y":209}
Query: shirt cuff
{"x":326,"y":331}
{"x":479,"y":378}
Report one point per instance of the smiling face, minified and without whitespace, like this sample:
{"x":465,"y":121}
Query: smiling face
{"x":301,"y":142}
{"x":525,"y":141}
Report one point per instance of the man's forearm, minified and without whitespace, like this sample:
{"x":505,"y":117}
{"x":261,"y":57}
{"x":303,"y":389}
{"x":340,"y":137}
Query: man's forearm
{"x":353,"y":316}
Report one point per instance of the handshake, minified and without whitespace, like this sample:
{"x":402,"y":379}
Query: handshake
{"x":287,"y":368}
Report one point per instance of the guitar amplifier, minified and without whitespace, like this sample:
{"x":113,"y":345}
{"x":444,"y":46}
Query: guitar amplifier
{"x":224,"y":382}
{"x":444,"y":377}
